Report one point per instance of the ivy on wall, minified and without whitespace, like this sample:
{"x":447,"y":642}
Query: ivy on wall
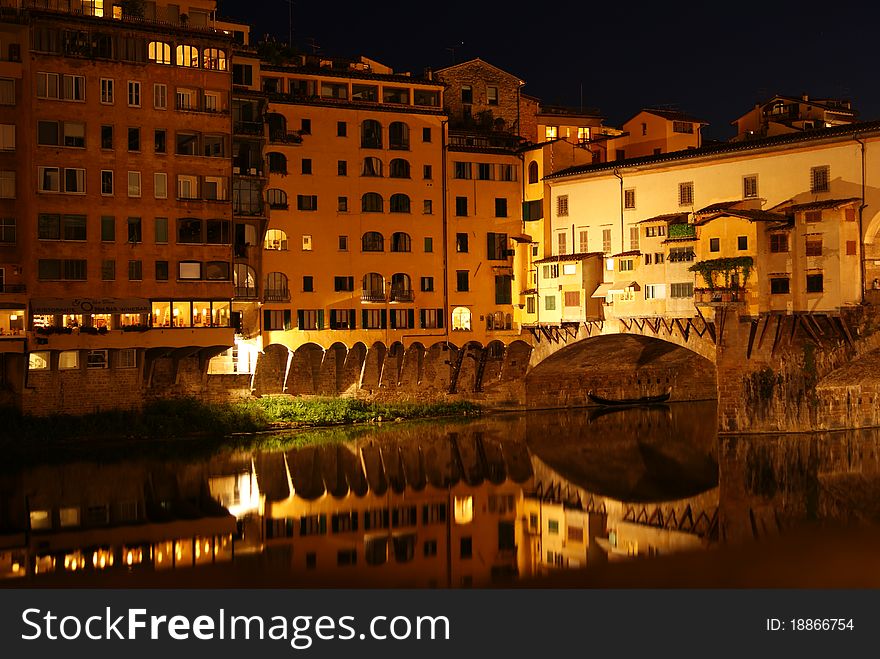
{"x":711,"y":269}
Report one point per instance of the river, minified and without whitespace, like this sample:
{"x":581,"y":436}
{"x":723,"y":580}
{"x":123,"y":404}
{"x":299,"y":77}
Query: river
{"x":561,"y":498}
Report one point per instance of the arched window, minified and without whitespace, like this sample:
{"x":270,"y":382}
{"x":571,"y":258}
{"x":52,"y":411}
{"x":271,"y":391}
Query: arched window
{"x":398,"y":168}
{"x":401,"y":242}
{"x":244,"y":279}
{"x":371,"y":134}
{"x":401,"y":287}
{"x":398,"y":135}
{"x":188,"y":56}
{"x":276,"y":239}
{"x":277,"y":163}
{"x":372,"y":202}
{"x":214,"y":59}
{"x":276,"y":287}
{"x":533,"y":172}
{"x":372,"y":241}
{"x":373,"y":287}
{"x":461,"y":319}
{"x":159,"y":52}
{"x":372,"y":167}
{"x":277,"y":199}
{"x":399,"y":203}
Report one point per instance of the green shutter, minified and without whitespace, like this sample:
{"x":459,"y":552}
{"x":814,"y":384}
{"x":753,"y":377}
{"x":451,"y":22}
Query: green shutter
{"x":422,"y":318}
{"x":267,"y":319}
{"x":300,"y":319}
{"x":490,"y":246}
{"x":440,"y":314}
{"x":393,"y":320}
{"x":364,"y":318}
{"x":410,"y":318}
{"x":384,"y":318}
{"x":352,"y":316}
{"x":320,"y":319}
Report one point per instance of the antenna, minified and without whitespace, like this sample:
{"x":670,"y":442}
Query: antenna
{"x":290,"y":23}
{"x":453,"y":48}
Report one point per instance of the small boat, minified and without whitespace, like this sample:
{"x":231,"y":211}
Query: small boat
{"x":644,"y":400}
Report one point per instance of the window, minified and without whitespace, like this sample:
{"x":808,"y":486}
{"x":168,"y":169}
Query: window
{"x":134,"y":94}
{"x":778,"y":242}
{"x":461,"y":318}
{"x":38,"y":361}
{"x":343,"y":243}
{"x":813,"y":216}
{"x":427,"y":172}
{"x":583,"y":241}
{"x":467,"y":94}
{"x":343,"y":283}
{"x":399,"y":168}
{"x":461,"y":281}
{"x":686,"y":194}
{"x":7,"y":91}
{"x":750,"y":187}
{"x":48,"y":179}
{"x":503,"y":286}
{"x":655,"y":291}
{"x":7,"y":184}
{"x":371,"y":134}
{"x":276,"y":239}
{"x":714,"y":244}
{"x":633,"y":238}
{"x":530,"y":304}
{"x":814,"y":283}
{"x":492,"y":95}
{"x":398,"y":135}
{"x":61,"y":269}
{"x":341,"y":129}
{"x":814,"y":246}
{"x":306,"y":202}
{"x":307,"y":166}
{"x":372,"y":202}
{"x":75,"y":181}
{"x":550,"y":303}
{"x":189,"y":270}
{"x":626,"y":265}
{"x":779,"y":285}
{"x":160,"y":230}
{"x":106,"y":137}
{"x":583,"y":134}
{"x":533,"y":172}
{"x":401,"y":242}
{"x":461,"y":170}
{"x":160,"y":144}
{"x":126,"y":358}
{"x":106,"y":182}
{"x":108,"y":229}
{"x":681,"y":290}
{"x":461,"y":206}
{"x":341,"y":168}
{"x":135,"y":230}
{"x":134,"y":184}
{"x":107,"y":91}
{"x":461,"y":242}
{"x":429,"y":244}
{"x":307,"y":243}
{"x":277,"y":163}
{"x":187,"y":187}
{"x":187,"y":56}
{"x":372,"y":167}
{"x":341,"y":319}
{"x":399,"y":203}
{"x":820,"y":178}
{"x":214,"y":59}
{"x":551,"y":132}
{"x":561,"y":243}
{"x":135,"y":270}
{"x":68,"y":360}
{"x":500,"y":207}
{"x":160,"y":185}
{"x":308,"y":284}
{"x":427,"y":284}
{"x":562,"y":205}
{"x":277,"y":319}
{"x":134,"y":139}
{"x":851,"y":247}
{"x":7,"y":232}
{"x":108,"y":270}
{"x":372,"y":241}
{"x":606,"y":240}
{"x":427,"y":207}
{"x":426,"y":134}
{"x":682,"y":127}
{"x":742,"y":243}
{"x":341,"y":204}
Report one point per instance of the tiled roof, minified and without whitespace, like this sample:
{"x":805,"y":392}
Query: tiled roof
{"x":632,"y":252}
{"x":753,"y":215}
{"x":720,"y":206}
{"x":529,"y":291}
{"x":726,"y":147}
{"x":672,"y":218}
{"x":680,"y":239}
{"x":816,"y":205}
{"x":568,"y":257}
{"x":670,"y":115}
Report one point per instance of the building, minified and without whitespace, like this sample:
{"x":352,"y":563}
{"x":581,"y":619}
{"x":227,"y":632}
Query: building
{"x":653,"y":131}
{"x":779,"y":225}
{"x":789,"y":114}
{"x":118,"y":230}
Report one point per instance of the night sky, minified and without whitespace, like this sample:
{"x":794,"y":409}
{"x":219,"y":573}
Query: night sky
{"x":711,"y":60}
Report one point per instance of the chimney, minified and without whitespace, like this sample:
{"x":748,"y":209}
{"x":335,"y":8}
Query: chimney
{"x":805,"y":97}
{"x":429,"y":73}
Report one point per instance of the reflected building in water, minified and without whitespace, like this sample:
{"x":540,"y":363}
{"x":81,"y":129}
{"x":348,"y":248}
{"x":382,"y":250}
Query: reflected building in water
{"x":450,"y":504}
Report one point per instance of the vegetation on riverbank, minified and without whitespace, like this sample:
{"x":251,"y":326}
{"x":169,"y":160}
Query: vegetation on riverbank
{"x":186,"y":417}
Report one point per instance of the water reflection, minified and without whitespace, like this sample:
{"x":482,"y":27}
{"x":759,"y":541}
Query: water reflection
{"x":435,"y":504}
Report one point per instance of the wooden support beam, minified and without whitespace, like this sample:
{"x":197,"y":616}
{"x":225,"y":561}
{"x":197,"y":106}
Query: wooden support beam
{"x":764,"y":330}
{"x":846,"y":333}
{"x":776,"y":336}
{"x":685,"y":328}
{"x":752,"y":331}
{"x":808,"y":328}
{"x":794,"y":326}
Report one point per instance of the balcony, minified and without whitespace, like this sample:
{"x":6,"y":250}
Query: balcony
{"x":13,"y":288}
{"x":284,"y":137}
{"x":401,"y":295}
{"x":276,"y":295}
{"x":246,"y":209}
{"x":250,"y":128}
{"x":199,"y":108}
{"x":372,"y":296}
{"x":244,"y":292}
{"x":243,"y":170}
{"x":720,"y":297}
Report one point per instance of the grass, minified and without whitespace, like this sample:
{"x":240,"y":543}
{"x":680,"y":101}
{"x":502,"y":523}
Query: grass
{"x":184,"y":427}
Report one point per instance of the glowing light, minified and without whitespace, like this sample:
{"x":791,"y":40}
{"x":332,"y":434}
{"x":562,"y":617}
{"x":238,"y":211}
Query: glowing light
{"x":129,"y":558}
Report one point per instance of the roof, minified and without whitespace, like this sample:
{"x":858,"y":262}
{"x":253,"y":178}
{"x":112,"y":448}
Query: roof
{"x":477,"y":60}
{"x":820,"y":102}
{"x":726,"y":147}
{"x":752,"y":215}
{"x":561,"y":110}
{"x":569,"y":257}
{"x":671,"y":218}
{"x":720,"y":206}
{"x":669,"y":115}
{"x":529,"y":291}
{"x":680,"y":239}
{"x":817,"y":205}
{"x":632,"y":252}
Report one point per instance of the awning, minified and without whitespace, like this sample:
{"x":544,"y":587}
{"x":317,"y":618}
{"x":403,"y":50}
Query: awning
{"x":621,"y":286}
{"x":601,"y":291}
{"x":521,"y":238}
{"x":58,"y":305}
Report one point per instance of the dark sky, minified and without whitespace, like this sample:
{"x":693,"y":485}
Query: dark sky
{"x":714,"y":60}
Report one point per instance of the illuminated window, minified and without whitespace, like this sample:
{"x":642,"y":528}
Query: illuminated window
{"x":159,"y":52}
{"x":188,"y":56}
{"x":820,"y":178}
{"x":686,"y":194}
{"x":69,"y":359}
{"x":214,"y":59}
{"x":461,"y":319}
{"x":463,"y":510}
{"x":38,"y":361}
{"x":551,"y":132}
